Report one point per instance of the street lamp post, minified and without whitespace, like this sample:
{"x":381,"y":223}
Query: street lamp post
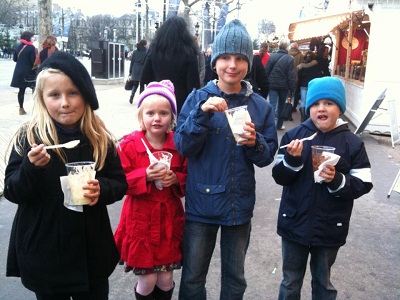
{"x":197,"y":26}
{"x":80,"y":45}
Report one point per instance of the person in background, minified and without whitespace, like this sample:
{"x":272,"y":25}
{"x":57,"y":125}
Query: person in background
{"x":149,"y":234}
{"x":282,"y":80}
{"x":323,"y":59}
{"x":135,"y":68}
{"x":258,"y":77}
{"x":173,"y":55}
{"x":48,"y":47}
{"x":24,"y":55}
{"x":297,"y":59}
{"x":263,"y":53}
{"x":220,"y":193}
{"x":209,"y":72}
{"x":314,"y":217}
{"x":306,"y":71}
{"x":59,"y":250}
{"x":201,"y":61}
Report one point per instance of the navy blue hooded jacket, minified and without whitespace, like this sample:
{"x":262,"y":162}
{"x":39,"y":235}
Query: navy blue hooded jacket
{"x":318,"y":214}
{"x":220,"y":187}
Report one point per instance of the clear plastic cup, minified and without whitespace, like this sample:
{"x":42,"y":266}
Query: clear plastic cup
{"x":79,"y":173}
{"x":319,"y":155}
{"x":237,"y":118}
{"x":164,"y":160}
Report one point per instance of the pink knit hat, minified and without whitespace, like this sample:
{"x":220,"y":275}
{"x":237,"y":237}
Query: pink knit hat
{"x":164,"y":88}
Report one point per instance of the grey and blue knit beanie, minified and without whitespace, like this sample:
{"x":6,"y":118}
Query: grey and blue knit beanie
{"x":233,"y":39}
{"x":327,"y":87}
{"x":75,"y":70}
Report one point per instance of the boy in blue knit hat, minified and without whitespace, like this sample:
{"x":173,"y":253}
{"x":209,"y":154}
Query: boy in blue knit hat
{"x":314,"y":217}
{"x":220,"y":187}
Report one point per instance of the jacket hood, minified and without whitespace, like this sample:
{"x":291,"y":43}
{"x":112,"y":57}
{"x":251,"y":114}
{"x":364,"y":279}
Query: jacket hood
{"x":213,"y":89}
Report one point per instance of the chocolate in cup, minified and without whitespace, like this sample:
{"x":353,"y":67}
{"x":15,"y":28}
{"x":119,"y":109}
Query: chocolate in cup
{"x":320,"y":154}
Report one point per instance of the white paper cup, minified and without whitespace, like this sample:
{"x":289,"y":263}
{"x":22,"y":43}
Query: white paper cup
{"x":79,"y":173}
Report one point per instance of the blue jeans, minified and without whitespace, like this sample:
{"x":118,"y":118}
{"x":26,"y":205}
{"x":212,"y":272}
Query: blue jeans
{"x":294,"y":264}
{"x":277,"y":99}
{"x":198,"y":246}
{"x":303,"y":93}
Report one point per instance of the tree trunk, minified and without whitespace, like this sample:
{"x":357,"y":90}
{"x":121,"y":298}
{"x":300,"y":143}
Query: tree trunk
{"x":45,"y":20}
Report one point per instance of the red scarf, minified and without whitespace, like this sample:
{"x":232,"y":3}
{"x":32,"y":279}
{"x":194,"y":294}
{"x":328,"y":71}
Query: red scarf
{"x":25,"y":42}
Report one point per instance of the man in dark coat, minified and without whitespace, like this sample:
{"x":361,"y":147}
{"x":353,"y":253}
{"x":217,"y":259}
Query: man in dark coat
{"x":282,"y":79}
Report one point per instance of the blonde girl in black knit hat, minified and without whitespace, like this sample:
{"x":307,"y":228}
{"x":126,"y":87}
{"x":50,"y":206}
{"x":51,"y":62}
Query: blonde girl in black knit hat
{"x":61,"y":250}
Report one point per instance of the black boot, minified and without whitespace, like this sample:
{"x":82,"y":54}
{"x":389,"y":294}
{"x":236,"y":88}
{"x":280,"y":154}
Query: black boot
{"x":131,"y":99}
{"x":303,"y":114}
{"x":163,"y":295}
{"x":141,"y":297}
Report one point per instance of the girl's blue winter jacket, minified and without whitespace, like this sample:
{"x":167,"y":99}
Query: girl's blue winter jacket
{"x":220,"y":187}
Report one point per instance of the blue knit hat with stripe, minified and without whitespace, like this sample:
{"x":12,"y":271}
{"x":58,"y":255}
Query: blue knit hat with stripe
{"x":233,"y":39}
{"x":327,"y":87}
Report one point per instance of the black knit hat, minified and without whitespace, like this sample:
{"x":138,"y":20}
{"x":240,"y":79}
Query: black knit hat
{"x":71,"y":67}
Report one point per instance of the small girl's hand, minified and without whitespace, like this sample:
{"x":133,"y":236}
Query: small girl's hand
{"x":155,"y":173}
{"x":169,"y":179}
{"x":92,"y":191}
{"x":38,"y":156}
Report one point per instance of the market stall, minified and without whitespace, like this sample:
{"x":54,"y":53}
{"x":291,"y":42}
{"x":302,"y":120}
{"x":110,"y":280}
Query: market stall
{"x":362,"y":54}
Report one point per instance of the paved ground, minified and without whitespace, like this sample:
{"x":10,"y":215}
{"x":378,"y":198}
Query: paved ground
{"x":367,"y":268}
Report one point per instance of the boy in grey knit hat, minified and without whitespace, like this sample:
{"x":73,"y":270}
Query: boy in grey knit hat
{"x":220,"y":188}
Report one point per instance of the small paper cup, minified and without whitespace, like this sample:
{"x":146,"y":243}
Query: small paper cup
{"x":79,"y":173}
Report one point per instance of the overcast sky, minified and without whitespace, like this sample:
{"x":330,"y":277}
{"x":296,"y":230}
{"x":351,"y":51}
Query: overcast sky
{"x":282,"y":12}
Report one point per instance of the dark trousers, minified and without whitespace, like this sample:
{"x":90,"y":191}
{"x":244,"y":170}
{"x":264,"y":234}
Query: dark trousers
{"x":96,"y":292}
{"x":21,"y":95}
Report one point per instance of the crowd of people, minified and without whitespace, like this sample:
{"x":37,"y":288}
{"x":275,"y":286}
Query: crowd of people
{"x":62,"y":250}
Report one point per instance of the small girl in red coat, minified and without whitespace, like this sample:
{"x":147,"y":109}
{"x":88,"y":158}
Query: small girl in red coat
{"x":150,"y":230}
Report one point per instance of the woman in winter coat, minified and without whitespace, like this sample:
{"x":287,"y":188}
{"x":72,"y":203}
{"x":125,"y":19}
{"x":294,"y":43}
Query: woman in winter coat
{"x":24,"y":55}
{"x":136,"y":66}
{"x":61,"y":250}
{"x":306,"y":71}
{"x":48,"y":47}
{"x":173,"y":55}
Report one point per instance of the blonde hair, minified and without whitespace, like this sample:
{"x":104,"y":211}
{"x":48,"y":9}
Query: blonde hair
{"x":156,"y":98}
{"x":41,"y":129}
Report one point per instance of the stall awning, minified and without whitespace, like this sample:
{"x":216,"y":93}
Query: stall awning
{"x":308,"y":29}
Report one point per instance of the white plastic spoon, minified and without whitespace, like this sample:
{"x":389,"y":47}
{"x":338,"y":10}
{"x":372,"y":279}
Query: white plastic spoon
{"x":302,"y":140}
{"x":151,"y":156}
{"x":68,"y":145}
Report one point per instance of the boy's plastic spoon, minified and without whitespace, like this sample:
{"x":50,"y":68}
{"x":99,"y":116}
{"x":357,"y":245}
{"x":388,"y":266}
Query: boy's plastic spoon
{"x":302,"y":140}
{"x":68,"y":145}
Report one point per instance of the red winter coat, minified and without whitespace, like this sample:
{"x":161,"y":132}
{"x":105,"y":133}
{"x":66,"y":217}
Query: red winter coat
{"x":151,"y":225}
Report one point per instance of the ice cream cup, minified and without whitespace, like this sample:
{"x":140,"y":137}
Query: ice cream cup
{"x":164,"y":160}
{"x":79,"y":173}
{"x":319,"y":155}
